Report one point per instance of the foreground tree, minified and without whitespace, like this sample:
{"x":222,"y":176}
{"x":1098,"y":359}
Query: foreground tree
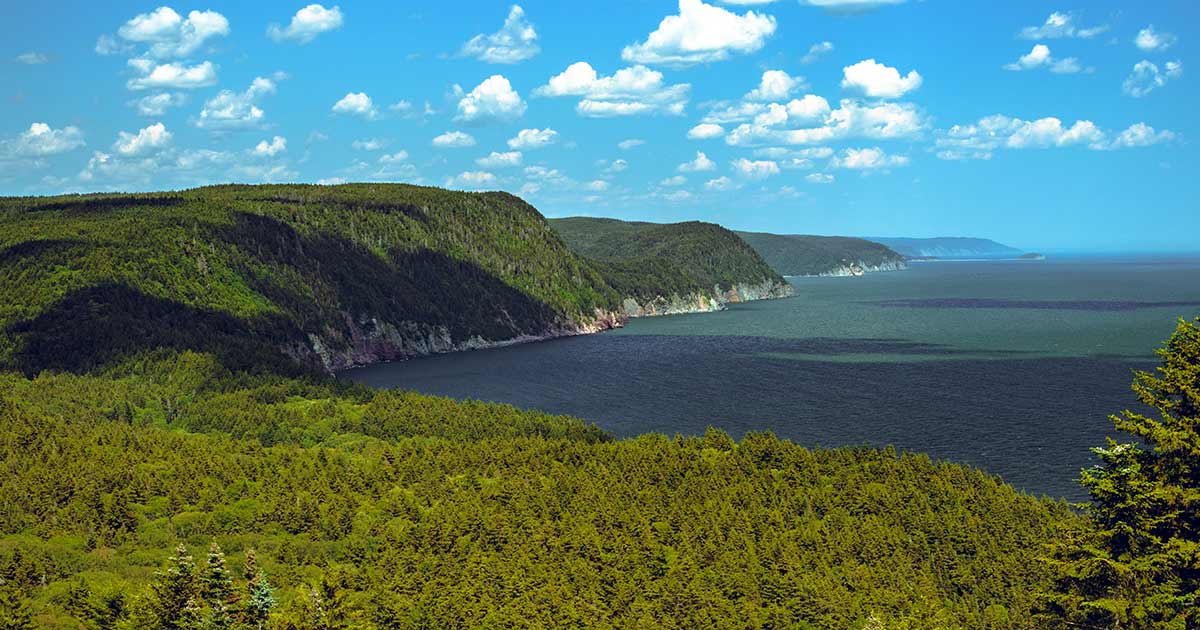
{"x":1138,"y":566}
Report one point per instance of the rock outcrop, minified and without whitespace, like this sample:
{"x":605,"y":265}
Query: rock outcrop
{"x":705,"y":301}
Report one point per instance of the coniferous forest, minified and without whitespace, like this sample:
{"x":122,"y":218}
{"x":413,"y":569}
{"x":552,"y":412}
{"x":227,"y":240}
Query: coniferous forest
{"x":173,"y":458}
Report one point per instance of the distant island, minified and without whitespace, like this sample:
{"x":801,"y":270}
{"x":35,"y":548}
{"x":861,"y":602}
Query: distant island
{"x":947,"y":248}
{"x":804,"y":255}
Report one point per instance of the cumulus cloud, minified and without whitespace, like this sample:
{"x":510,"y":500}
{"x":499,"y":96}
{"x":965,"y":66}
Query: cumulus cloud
{"x":1147,"y":77}
{"x":147,"y":140}
{"x":32,"y":58}
{"x":850,"y":6}
{"x":720,"y":183}
{"x":979,"y":140}
{"x":277,"y":145}
{"x":628,"y":91}
{"x":1039,"y":57}
{"x":755,"y":169}
{"x":171,"y":75}
{"x":630,"y":143}
{"x":1060,"y":25}
{"x":1141,"y":135}
{"x":872,"y":158}
{"x":471,"y":180}
{"x":703,"y":131}
{"x":701,"y":163}
{"x":516,"y":41}
{"x":527,"y":139}
{"x":674,"y":180}
{"x":852,"y":119}
{"x":816,"y":51}
{"x":701,"y":33}
{"x":492,"y":100}
{"x":454,"y":140}
{"x":879,"y":81}
{"x":818,"y":178}
{"x":507,"y":159}
{"x":236,"y":110}
{"x":394,"y":158}
{"x":1151,"y":40}
{"x":307,"y":23}
{"x":166,"y":33}
{"x":356,"y":104}
{"x":775,"y":85}
{"x":368,"y":144}
{"x":41,"y":140}
{"x":157,"y":104}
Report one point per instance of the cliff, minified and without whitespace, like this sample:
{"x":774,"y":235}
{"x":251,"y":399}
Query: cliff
{"x":948,"y":247}
{"x":667,"y":269}
{"x":805,"y":255}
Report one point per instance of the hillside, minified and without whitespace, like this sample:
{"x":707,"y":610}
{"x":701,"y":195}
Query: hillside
{"x":674,"y":267}
{"x":801,"y":255}
{"x":948,"y":247}
{"x":328,"y":276}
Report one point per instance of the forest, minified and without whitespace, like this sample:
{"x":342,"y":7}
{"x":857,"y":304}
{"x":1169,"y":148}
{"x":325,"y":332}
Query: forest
{"x":801,"y":255}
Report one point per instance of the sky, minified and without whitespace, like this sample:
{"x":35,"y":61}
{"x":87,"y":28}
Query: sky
{"x":1044,"y":125}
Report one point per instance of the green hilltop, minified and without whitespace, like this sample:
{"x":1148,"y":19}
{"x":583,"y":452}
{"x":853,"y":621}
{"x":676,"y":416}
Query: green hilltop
{"x":802,"y":255}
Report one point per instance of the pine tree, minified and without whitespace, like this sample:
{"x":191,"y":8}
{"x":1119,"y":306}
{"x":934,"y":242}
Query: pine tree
{"x":174,"y":589}
{"x":216,"y":588}
{"x":260,"y":599}
{"x":1139,"y":564}
{"x":14,"y":608}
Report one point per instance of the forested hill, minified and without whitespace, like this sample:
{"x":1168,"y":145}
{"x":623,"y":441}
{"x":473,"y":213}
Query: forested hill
{"x":672,"y":267}
{"x":261,"y":275}
{"x":802,"y":255}
{"x":948,"y":247}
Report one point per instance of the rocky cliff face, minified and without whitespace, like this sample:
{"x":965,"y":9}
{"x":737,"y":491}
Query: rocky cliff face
{"x":859,"y":268}
{"x":366,"y":340}
{"x":705,"y":301}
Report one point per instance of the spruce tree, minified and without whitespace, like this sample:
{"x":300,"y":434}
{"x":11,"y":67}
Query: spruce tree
{"x":216,"y":588}
{"x":260,"y":599}
{"x":1138,"y":566}
{"x":14,"y":608}
{"x":173,"y":590}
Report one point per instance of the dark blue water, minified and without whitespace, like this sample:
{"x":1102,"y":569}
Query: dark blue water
{"x":1009,"y":366}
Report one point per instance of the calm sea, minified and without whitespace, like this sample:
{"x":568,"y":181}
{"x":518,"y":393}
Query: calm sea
{"x":1011,"y":366}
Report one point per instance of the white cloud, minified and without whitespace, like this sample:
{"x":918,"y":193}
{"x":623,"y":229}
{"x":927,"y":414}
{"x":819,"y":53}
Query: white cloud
{"x":1141,"y":135}
{"x":515,"y":41}
{"x":701,"y":33}
{"x":454,"y":140}
{"x":368,"y":144}
{"x":674,"y":180}
{"x":171,"y":75}
{"x":331,"y":181}
{"x":277,"y":145}
{"x":471,"y":180}
{"x":492,"y":100}
{"x":853,"y":119}
{"x":816,"y":51}
{"x":724,"y":112}
{"x":818,"y":178}
{"x":630,"y":143}
{"x":867,"y":159}
{"x":597,"y":185}
{"x":394,"y":158}
{"x":701,"y":163}
{"x":167,"y":34}
{"x":849,"y":5}
{"x":879,"y":81}
{"x":703,"y":131}
{"x":157,"y":104}
{"x":236,"y":110}
{"x":41,"y":140}
{"x":617,"y":166}
{"x":307,"y":23}
{"x":147,"y":140}
{"x":528,"y":139}
{"x":755,"y":169}
{"x":1060,"y":25}
{"x":32,"y":58}
{"x":356,"y":104}
{"x":1151,"y":40}
{"x":978,"y":141}
{"x":1146,"y":77}
{"x":629,"y":91}
{"x":507,"y":159}
{"x":775,"y":85}
{"x":720,"y":183}
{"x":1039,"y":57}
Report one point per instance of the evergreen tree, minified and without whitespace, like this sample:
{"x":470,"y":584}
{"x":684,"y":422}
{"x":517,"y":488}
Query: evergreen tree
{"x":174,"y":591}
{"x":216,"y":588}
{"x":260,"y":599}
{"x":1139,"y":566}
{"x":14,"y":609}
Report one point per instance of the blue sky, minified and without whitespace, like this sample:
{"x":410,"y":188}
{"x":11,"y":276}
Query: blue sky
{"x":1041,"y":124}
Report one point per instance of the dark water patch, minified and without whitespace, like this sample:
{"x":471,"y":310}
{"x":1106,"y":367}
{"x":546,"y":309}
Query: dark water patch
{"x":1069,"y":305}
{"x":1029,"y":420}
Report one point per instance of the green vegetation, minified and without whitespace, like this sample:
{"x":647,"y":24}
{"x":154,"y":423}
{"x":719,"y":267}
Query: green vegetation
{"x":649,"y":260}
{"x":799,"y":255}
{"x":1139,"y":566}
{"x":256,"y":273}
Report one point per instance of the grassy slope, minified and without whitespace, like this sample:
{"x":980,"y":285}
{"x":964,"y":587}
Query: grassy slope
{"x":800,"y":255}
{"x":247,"y":269}
{"x":642,"y":259}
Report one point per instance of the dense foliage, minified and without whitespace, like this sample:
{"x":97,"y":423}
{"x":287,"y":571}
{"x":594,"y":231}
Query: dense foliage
{"x":389,"y":510}
{"x":800,"y":255}
{"x":1139,"y":566}
{"x":645,"y":260}
{"x":248,"y":271}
